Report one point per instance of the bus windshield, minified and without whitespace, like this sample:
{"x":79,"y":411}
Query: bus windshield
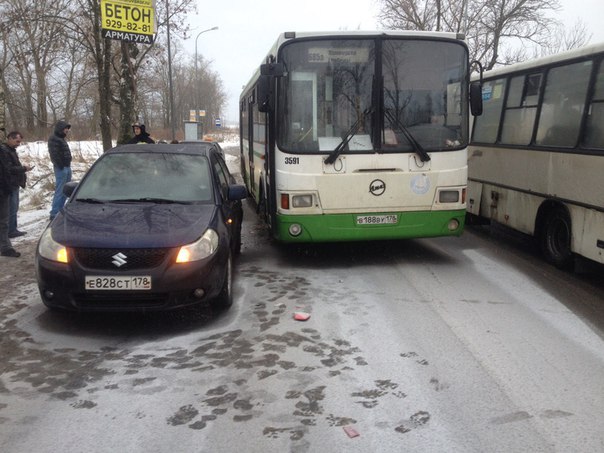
{"x":394,"y":94}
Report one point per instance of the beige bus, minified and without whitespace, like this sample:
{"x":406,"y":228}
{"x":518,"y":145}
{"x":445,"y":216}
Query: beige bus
{"x":536,"y":160}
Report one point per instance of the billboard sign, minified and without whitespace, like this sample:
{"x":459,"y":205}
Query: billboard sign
{"x":128,"y":20}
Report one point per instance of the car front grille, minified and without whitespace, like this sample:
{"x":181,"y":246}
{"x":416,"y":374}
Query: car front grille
{"x":124,"y":259}
{"x":121,"y":302}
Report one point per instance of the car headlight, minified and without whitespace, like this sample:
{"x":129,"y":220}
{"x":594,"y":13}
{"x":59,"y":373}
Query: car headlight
{"x":205,"y":246}
{"x":50,"y":249}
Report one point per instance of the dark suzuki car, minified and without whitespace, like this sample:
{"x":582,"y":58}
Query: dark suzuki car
{"x":149,"y":227}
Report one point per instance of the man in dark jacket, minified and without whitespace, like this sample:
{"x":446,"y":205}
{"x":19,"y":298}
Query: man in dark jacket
{"x":17,"y":179}
{"x":140,"y":134}
{"x":60,"y":155}
{"x":6,"y":248}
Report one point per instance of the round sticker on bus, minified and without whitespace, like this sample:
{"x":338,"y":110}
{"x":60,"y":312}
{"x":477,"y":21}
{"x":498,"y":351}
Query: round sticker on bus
{"x":420,"y":184}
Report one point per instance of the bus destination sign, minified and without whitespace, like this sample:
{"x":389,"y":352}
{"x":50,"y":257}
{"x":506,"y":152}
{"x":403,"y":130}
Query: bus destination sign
{"x":338,"y":55}
{"x":128,"y":20}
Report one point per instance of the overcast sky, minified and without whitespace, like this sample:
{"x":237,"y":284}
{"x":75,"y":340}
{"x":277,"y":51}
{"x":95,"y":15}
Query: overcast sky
{"x":247,"y":29}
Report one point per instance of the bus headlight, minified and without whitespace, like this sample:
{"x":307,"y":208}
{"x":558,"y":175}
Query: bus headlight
{"x":302,"y":201}
{"x":448,"y":196}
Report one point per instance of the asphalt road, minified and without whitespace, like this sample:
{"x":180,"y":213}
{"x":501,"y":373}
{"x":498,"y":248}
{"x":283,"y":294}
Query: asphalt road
{"x":467,"y":344}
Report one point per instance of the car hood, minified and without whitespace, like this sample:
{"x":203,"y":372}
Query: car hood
{"x":149,"y":225}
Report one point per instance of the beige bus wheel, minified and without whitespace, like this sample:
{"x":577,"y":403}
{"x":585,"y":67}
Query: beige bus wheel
{"x":556,"y":239}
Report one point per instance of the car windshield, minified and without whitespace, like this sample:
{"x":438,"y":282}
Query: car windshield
{"x":156,"y":177}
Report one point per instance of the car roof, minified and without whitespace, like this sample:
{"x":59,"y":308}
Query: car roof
{"x":202,"y":148}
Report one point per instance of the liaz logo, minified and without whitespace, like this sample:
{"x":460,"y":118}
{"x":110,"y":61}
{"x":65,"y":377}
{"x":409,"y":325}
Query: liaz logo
{"x":377,"y":187}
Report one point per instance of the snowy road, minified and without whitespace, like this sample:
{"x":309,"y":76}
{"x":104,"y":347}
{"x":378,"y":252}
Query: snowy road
{"x":467,"y":344}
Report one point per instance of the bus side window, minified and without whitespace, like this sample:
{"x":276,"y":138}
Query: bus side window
{"x":594,"y":135}
{"x":487,"y":125}
{"x":563,"y":105}
{"x":521,"y":111}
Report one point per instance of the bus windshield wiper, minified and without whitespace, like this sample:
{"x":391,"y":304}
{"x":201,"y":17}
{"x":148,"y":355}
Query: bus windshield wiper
{"x":423,"y":155}
{"x":331,"y":158}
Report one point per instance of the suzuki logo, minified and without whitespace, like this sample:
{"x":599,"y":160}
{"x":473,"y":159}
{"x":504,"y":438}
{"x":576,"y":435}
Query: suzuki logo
{"x":119,"y":259}
{"x":377,"y":187}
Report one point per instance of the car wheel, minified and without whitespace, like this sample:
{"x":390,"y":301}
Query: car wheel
{"x":225,"y":299}
{"x":555,"y":239}
{"x":237,"y":239}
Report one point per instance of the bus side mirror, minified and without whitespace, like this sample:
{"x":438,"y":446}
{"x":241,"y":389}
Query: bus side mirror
{"x":476,"y":98}
{"x":272,"y":69}
{"x":263,"y":94}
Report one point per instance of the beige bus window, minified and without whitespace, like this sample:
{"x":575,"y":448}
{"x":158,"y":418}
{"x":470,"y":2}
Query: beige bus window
{"x":521,"y":110}
{"x":594,"y":135}
{"x":563,"y":105}
{"x":487,"y":125}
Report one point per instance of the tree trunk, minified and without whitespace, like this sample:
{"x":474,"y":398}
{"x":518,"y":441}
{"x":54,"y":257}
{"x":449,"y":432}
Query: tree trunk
{"x":127,"y":102}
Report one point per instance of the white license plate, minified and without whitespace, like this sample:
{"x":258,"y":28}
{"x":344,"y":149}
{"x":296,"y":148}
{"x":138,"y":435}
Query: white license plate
{"x":101,"y":283}
{"x":387,"y":219}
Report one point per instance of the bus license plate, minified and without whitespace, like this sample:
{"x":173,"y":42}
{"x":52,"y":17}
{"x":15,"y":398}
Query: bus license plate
{"x":388,"y":219}
{"x":100,"y":283}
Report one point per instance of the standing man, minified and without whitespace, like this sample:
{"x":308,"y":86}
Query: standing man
{"x":60,"y":155}
{"x":140,"y":134}
{"x":6,"y":248}
{"x":17,"y":179}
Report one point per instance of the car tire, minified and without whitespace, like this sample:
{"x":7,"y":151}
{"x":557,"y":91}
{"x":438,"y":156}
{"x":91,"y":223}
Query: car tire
{"x":556,"y":239}
{"x":237,"y":239}
{"x":225,"y":299}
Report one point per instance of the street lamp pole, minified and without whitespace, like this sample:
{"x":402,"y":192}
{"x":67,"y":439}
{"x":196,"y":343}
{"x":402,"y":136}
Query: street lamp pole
{"x":170,"y":87}
{"x":196,"y":76}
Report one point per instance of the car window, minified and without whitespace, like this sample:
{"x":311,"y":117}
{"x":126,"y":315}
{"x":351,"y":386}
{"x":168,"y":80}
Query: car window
{"x":131,"y":176}
{"x":223,"y":175}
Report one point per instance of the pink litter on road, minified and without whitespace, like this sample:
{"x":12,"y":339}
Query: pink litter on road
{"x":301,"y":316}
{"x":351,"y":431}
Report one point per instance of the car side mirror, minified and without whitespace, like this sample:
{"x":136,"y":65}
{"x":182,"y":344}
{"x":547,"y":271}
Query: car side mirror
{"x":237,"y":192}
{"x":69,"y":188}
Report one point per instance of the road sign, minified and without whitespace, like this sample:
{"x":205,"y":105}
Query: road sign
{"x":217,"y":122}
{"x":128,"y":20}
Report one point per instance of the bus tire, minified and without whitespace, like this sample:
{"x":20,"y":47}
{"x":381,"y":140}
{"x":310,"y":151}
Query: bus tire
{"x":556,"y":239}
{"x":225,"y":299}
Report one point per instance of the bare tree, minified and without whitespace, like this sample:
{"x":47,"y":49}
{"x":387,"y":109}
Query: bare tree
{"x":564,"y":38}
{"x":496,"y":31}
{"x":50,"y":63}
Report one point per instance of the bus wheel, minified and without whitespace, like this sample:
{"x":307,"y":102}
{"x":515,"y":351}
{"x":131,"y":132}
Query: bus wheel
{"x":555,"y":239}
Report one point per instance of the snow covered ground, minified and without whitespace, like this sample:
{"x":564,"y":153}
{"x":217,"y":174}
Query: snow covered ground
{"x":36,"y":198}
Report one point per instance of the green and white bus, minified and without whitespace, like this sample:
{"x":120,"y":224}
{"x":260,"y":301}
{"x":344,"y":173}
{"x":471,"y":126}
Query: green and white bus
{"x":353,"y":136}
{"x":536,"y":162}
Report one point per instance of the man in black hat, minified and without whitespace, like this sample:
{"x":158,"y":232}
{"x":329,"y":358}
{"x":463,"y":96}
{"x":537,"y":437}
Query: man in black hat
{"x":140,"y":134}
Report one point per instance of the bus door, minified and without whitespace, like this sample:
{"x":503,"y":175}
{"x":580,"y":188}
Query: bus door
{"x":250,"y":127}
